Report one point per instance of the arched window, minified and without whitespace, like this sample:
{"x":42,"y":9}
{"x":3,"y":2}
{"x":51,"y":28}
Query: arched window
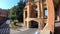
{"x":25,"y":14}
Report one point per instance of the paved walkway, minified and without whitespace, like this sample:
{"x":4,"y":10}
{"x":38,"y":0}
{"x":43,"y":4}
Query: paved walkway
{"x":32,"y":31}
{"x":27,"y":31}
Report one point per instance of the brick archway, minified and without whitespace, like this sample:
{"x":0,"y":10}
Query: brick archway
{"x":33,"y":24}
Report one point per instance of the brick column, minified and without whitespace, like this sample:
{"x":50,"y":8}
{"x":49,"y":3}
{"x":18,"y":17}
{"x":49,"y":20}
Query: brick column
{"x":27,"y":24}
{"x":59,"y":15}
{"x":51,"y":15}
{"x":42,"y":9}
{"x":28,"y":11}
{"x":41,"y":24}
{"x":39,"y":10}
{"x":42,"y":14}
{"x":24,"y":17}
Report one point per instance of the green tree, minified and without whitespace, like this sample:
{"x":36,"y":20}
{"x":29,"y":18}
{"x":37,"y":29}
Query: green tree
{"x":13,"y":13}
{"x":20,"y":8}
{"x":16,"y":12}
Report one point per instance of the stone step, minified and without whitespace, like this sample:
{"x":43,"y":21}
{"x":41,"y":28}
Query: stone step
{"x":57,"y":30}
{"x":44,"y":32}
{"x":57,"y":24}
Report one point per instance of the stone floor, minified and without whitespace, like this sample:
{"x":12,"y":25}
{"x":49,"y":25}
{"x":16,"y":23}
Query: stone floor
{"x":28,"y":31}
{"x":32,"y":31}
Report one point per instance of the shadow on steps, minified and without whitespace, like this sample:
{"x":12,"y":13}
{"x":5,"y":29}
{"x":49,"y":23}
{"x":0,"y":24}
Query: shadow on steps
{"x":57,"y":30}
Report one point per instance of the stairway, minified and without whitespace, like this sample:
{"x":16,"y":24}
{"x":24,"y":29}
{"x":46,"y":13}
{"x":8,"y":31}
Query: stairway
{"x":57,"y":28}
{"x":44,"y":31}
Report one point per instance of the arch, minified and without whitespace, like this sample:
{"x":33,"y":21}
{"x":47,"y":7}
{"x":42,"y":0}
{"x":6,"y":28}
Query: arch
{"x":33,"y":24}
{"x":25,"y":14}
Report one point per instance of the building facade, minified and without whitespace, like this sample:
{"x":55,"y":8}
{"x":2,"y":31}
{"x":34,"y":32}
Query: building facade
{"x":34,"y":13}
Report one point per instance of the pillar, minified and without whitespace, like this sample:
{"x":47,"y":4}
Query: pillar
{"x":59,"y":14}
{"x":28,"y":13}
{"x":39,"y":10}
{"x":28,"y":10}
{"x":41,"y":24}
{"x":58,"y":17}
{"x":42,"y":15}
{"x":42,"y":9}
{"x":27,"y":24}
{"x":24,"y":17}
{"x":59,"y":11}
{"x":51,"y":15}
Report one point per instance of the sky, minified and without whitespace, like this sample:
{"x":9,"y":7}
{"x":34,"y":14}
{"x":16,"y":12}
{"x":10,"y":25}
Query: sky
{"x":7,"y":4}
{"x":46,"y":12}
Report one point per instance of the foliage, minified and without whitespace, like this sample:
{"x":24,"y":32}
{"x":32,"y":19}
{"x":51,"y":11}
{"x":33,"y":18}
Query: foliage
{"x":13,"y":13}
{"x":16,"y":12}
{"x":20,"y":8}
{"x":15,"y":27}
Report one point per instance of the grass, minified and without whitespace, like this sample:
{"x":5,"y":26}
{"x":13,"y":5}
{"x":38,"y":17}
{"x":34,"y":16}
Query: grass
{"x":16,"y":27}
